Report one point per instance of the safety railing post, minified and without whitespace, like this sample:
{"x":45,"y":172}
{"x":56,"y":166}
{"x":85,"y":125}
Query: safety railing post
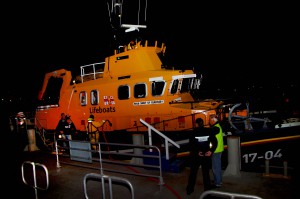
{"x":35,"y":185}
{"x":285,"y":168}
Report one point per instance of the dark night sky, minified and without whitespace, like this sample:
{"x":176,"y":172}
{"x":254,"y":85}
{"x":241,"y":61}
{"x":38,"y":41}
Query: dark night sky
{"x":232,"y":43}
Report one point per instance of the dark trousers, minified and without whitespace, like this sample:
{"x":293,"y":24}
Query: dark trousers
{"x":205,"y":163}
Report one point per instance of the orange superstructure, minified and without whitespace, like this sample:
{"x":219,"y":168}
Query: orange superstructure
{"x":129,"y":86}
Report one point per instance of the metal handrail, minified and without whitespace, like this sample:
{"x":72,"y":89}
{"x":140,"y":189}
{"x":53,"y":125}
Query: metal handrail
{"x":167,"y":140}
{"x":35,"y":186}
{"x":93,"y":72}
{"x":231,"y":195}
{"x":110,"y":180}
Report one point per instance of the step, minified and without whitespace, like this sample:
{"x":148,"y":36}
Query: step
{"x":177,"y":166}
{"x":166,"y":164}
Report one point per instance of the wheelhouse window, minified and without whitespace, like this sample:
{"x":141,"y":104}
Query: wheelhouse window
{"x":185,"y":83}
{"x":190,"y":83}
{"x":123,"y":92}
{"x":174,"y":87}
{"x":83,"y":98}
{"x":157,"y":88}
{"x":94,"y":97}
{"x":140,"y":90}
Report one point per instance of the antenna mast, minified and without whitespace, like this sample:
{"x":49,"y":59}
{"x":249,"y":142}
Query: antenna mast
{"x":129,"y":21}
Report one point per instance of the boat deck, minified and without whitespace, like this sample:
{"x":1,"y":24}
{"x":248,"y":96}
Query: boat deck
{"x":68,"y":182}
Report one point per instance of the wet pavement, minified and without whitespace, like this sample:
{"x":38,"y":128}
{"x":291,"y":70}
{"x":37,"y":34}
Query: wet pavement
{"x":68,"y":182}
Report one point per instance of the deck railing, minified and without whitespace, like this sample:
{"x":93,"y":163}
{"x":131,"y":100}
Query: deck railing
{"x":92,"y":71}
{"x":82,"y":152}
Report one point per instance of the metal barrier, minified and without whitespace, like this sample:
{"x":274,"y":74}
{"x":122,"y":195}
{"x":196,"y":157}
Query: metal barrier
{"x":223,"y":195}
{"x":81,"y":151}
{"x":35,"y":186}
{"x":284,"y":167}
{"x":106,"y":179}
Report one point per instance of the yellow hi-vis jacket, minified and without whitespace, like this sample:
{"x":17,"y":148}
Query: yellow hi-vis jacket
{"x":93,"y":126}
{"x":219,"y":137}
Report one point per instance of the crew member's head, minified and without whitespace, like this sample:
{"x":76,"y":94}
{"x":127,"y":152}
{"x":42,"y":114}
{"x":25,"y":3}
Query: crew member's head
{"x":199,"y":122}
{"x":91,"y":118}
{"x":68,"y":119}
{"x":213,"y":119}
{"x":63,"y":116}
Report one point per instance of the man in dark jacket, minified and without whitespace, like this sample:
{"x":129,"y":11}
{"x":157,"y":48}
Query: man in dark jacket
{"x":70,"y":130}
{"x":202,"y":143}
{"x":66,"y":130}
{"x":60,"y":126}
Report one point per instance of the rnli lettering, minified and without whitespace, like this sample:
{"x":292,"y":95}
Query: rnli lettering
{"x":148,"y":102}
{"x":102,"y":110}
